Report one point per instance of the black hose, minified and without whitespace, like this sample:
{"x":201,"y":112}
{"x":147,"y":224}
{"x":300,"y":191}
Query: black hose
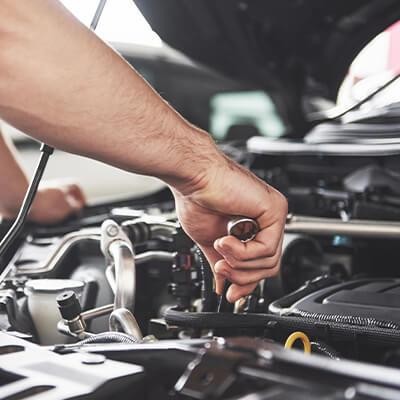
{"x":282,"y":325}
{"x":324,"y":349}
{"x":215,"y":320}
{"x":16,"y":228}
{"x":109,"y":337}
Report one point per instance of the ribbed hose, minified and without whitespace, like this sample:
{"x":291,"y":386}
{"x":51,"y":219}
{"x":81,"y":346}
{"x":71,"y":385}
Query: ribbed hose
{"x":213,"y":320}
{"x":109,"y":337}
{"x":324,"y":349}
{"x":346,"y":319}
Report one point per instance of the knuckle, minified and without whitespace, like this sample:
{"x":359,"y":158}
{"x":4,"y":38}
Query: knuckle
{"x":238,"y":278}
{"x":234,"y":263}
{"x":273,"y":261}
{"x":218,"y":267}
{"x":281,"y":200}
{"x":238,"y":255}
{"x":270,"y":249}
{"x":272,"y":271}
{"x":284,"y":204}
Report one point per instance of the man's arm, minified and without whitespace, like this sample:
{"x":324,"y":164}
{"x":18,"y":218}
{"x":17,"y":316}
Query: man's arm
{"x":64,"y":86}
{"x":53,"y":203}
{"x":13,"y":181}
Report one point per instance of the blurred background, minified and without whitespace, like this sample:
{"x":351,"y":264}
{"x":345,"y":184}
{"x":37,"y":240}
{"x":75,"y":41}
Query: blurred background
{"x":229,"y":110}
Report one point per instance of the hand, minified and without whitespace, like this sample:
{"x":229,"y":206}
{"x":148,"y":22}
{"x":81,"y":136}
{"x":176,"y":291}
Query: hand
{"x":230,"y":190}
{"x":54,"y":203}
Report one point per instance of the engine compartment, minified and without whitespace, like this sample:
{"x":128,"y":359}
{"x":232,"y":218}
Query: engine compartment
{"x":125,"y":284}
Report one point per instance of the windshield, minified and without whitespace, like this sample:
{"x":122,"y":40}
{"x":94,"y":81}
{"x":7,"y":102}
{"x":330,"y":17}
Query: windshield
{"x":375,"y":65}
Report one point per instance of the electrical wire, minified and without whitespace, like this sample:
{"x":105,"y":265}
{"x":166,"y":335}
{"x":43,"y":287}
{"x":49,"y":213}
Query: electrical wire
{"x":97,"y":15}
{"x":334,"y":114}
{"x":19,"y":222}
{"x":299,"y":336}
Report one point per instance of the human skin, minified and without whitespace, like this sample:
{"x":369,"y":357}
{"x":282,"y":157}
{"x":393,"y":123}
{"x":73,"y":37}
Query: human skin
{"x":64,"y":86}
{"x":53,"y":203}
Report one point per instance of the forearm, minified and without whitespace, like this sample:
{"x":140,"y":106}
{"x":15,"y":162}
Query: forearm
{"x":13,"y":182}
{"x":62,"y":85}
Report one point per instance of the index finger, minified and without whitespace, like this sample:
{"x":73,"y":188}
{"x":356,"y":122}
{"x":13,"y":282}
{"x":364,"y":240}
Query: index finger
{"x":265,"y":244}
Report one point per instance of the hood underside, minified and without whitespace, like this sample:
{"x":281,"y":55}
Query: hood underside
{"x":290,"y":48}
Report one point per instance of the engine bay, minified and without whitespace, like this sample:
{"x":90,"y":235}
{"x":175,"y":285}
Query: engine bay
{"x":123,"y":296}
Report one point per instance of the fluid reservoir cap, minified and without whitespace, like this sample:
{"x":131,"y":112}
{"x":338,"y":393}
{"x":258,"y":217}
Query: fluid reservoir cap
{"x":66,"y":298}
{"x":69,"y":305}
{"x":52,"y":285}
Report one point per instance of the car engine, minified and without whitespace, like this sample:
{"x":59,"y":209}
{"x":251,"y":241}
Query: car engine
{"x":121,"y":302}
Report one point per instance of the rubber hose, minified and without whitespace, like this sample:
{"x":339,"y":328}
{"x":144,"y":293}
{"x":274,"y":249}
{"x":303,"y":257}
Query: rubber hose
{"x":324,"y":349}
{"x":215,"y":320}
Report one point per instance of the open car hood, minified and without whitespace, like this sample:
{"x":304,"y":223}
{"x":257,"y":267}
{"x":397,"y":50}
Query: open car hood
{"x":291,"y":48}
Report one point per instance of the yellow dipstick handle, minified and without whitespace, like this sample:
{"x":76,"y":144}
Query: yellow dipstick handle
{"x":299,"y":336}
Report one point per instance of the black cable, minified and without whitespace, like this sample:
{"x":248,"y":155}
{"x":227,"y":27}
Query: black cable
{"x":340,"y":114}
{"x":97,"y":15}
{"x":208,"y":296}
{"x":19,"y":222}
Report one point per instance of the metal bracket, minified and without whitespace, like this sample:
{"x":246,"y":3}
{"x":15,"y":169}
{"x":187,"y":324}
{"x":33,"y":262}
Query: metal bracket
{"x":212,"y":372}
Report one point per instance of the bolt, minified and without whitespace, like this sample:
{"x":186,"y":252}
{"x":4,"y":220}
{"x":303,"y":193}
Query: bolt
{"x":112,"y":230}
{"x":93,"y":359}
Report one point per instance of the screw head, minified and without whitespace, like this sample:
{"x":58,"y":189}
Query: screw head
{"x":112,"y":231}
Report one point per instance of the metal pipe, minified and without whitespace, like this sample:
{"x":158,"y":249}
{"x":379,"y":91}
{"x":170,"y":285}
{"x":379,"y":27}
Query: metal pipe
{"x":64,"y":246}
{"x":125,"y":275}
{"x":162,"y":231}
{"x":123,"y":319}
{"x":153,"y":256}
{"x":62,"y":327}
{"x":97,"y":312}
{"x":330,"y":226}
{"x":110,"y":276}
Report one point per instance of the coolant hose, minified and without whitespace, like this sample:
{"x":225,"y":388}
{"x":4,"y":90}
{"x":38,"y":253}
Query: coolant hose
{"x":203,"y":320}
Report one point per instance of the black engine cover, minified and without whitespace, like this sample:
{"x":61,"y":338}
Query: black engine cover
{"x":364,"y":302}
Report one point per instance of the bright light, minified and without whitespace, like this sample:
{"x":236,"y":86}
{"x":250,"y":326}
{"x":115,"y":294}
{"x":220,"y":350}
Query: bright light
{"x":121,"y":21}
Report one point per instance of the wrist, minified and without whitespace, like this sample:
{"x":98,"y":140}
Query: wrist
{"x":197,"y":159}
